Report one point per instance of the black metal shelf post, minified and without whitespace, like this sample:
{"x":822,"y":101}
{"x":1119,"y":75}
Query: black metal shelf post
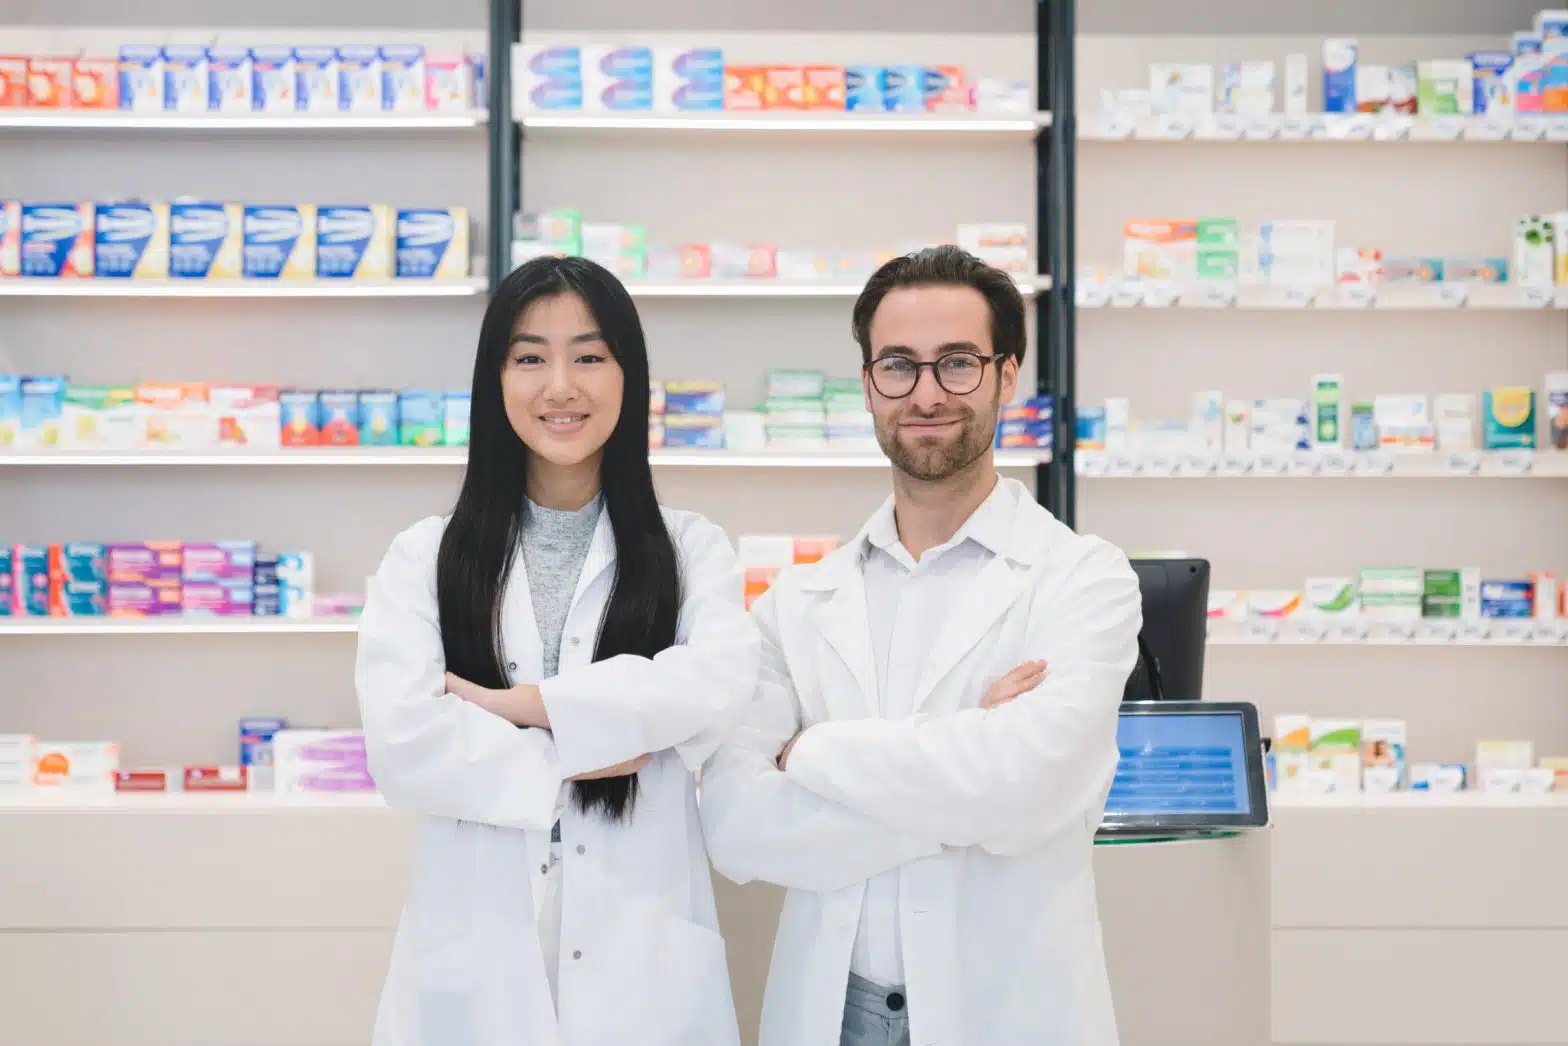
{"x":506,"y":138}
{"x":1055,"y":205}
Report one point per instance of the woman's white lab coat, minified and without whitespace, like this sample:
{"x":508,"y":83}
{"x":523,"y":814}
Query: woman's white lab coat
{"x":988,"y":815}
{"x":641,"y":960}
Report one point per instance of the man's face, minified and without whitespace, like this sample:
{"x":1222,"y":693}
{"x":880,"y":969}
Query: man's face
{"x":932,"y":434}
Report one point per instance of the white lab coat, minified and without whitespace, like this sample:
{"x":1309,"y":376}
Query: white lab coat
{"x":642,"y":963}
{"x":989,"y":815}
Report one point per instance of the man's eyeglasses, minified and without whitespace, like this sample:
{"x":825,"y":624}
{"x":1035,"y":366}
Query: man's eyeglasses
{"x":958,"y":373}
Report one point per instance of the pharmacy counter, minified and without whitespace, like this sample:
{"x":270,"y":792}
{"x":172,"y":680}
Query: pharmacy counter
{"x":211,"y":920}
{"x":1413,"y":919}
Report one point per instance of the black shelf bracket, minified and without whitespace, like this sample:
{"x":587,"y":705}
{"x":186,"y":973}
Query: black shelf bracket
{"x":506,"y":138}
{"x":1055,"y":206}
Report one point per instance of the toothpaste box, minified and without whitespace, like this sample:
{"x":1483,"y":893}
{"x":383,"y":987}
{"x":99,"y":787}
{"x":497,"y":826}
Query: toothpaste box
{"x":42,"y":410}
{"x":56,"y":240}
{"x":694,"y":431}
{"x":694,"y":397}
{"x":688,"y":79}
{"x":339,"y":418}
{"x":8,"y":587}
{"x":145,"y":561}
{"x":10,"y":410}
{"x":317,"y":79}
{"x":545,"y":77}
{"x":78,"y":561}
{"x":1507,"y":599}
{"x":1491,"y":82}
{"x":904,"y":89}
{"x":141,"y":78}
{"x":10,"y":238}
{"x":1339,"y":76}
{"x":131,"y":240}
{"x":279,"y":242}
{"x":30,"y":574}
{"x":95,"y":83}
{"x":296,"y":583}
{"x":946,"y":89}
{"x":359,"y":79}
{"x":355,"y":242}
{"x":218,"y":561}
{"x":479,"y":68}
{"x":449,"y":83}
{"x":378,"y":418}
{"x":100,"y":417}
{"x":205,"y":240}
{"x":246,"y":415}
{"x":78,"y":598}
{"x":268,"y":598}
{"x":235,"y":598}
{"x":617,"y":79}
{"x":403,"y":78}
{"x":863,"y":88}
{"x":300,"y":417}
{"x":432,"y":243}
{"x":277,"y":86}
{"x":256,"y":733}
{"x":185,"y":78}
{"x":421,"y":418}
{"x":454,"y":419}
{"x":144,"y":598}
{"x":231,"y":79}
{"x":265,"y":571}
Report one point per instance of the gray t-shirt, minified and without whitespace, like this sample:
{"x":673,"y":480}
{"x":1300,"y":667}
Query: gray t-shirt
{"x":555,"y":546}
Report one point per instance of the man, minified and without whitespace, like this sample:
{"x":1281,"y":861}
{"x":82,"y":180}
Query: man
{"x":910,"y":769}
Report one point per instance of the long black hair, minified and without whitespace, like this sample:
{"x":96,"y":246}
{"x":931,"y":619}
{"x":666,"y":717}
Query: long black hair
{"x":480,"y":544}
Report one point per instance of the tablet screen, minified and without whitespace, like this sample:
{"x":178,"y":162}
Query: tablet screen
{"x":1187,"y":765}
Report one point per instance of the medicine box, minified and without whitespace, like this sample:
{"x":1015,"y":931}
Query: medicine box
{"x":131,"y":240}
{"x":218,"y":561}
{"x":694,"y":431}
{"x":42,"y":410}
{"x":545,"y":77}
{"x":1508,"y":418}
{"x":231,"y":598}
{"x":1556,"y":401}
{"x":359,"y":79}
{"x":30,"y":580}
{"x":355,"y":242}
{"x":317,"y":79}
{"x":421,"y":418}
{"x":339,"y":418}
{"x":247,"y":415}
{"x":205,"y":240}
{"x":693,"y":397}
{"x":432,"y":243}
{"x":185,"y":78}
{"x":279,"y":242}
{"x":300,"y":413}
{"x":454,"y":419}
{"x":56,"y":240}
{"x":403,"y":78}
{"x":141,"y":78}
{"x":231,"y":79}
{"x":144,"y":598}
{"x":276,"y":84}
{"x":617,"y":78}
{"x":378,"y":418}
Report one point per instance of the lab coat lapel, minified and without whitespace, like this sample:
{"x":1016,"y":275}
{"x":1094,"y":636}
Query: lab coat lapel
{"x":843,"y":623}
{"x":601,"y":557}
{"x":519,"y":629}
{"x":983,"y":603}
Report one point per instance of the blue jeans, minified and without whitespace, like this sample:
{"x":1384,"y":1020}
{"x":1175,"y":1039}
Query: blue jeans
{"x":874,"y":1015}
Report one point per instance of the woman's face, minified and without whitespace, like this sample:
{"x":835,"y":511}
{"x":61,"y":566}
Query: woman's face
{"x":561,"y":386}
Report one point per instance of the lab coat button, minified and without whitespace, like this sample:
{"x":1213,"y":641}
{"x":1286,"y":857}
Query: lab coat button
{"x":577,"y":955}
{"x":576,"y":640}
{"x":895,"y":1001}
{"x":581,"y":848}
{"x":511,"y":666}
{"x":544,"y":869}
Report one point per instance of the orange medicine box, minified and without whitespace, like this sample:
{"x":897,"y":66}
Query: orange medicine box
{"x":49,"y":82}
{"x":783,"y":87}
{"x":823,"y":88}
{"x":215,"y":779}
{"x":95,"y":83}
{"x":744,"y":86}
{"x":696,"y":261}
{"x":13,"y":82}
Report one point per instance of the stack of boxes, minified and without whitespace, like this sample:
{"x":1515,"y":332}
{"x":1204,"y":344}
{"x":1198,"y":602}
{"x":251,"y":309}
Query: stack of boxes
{"x":686,"y":415}
{"x":160,"y":578}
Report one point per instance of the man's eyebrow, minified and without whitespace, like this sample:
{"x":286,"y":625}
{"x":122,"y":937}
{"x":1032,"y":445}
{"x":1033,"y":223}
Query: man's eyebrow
{"x":534,"y":339}
{"x":941,"y":350}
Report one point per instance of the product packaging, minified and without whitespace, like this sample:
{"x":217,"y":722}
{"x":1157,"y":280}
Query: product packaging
{"x":56,"y":240}
{"x":1339,"y":76}
{"x":49,"y":82}
{"x":432,"y":243}
{"x":279,"y":242}
{"x":421,"y":418}
{"x":689,"y":79}
{"x":186,"y":78}
{"x":1383,"y":743}
{"x":339,"y":418}
{"x":1555,"y":400}
{"x":141,"y":78}
{"x":617,"y":79}
{"x":280,"y":85}
{"x":317,"y":79}
{"x":403,"y":78}
{"x":247,"y":416}
{"x":1336,"y":750}
{"x":455,"y":411}
{"x":359,"y":79}
{"x":300,"y":417}
{"x":378,"y":418}
{"x":231,"y":79}
{"x":131,"y":240}
{"x":95,"y":83}
{"x":355,"y":242}
{"x":1508,"y":418}
{"x":547,"y":77}
{"x":205,"y":240}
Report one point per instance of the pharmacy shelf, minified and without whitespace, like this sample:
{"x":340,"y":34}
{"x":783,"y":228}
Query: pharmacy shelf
{"x":1291,"y":633}
{"x":1437,"y":297}
{"x":184,"y":626}
{"x":1326,"y":465}
{"x":763,"y":288}
{"x":792,"y":122}
{"x":1466,"y":800}
{"x":349,"y":457}
{"x":1324,"y":127}
{"x":94,"y":288}
{"x":118,"y":120}
{"x":55,"y":799}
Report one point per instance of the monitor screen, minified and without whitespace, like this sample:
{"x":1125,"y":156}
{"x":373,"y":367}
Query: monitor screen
{"x":1185,"y":766}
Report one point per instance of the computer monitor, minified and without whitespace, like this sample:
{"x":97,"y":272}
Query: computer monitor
{"x":1186,"y":766}
{"x":1175,"y":626}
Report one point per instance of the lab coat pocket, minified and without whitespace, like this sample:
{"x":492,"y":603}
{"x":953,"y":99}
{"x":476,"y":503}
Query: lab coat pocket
{"x":695,"y":987}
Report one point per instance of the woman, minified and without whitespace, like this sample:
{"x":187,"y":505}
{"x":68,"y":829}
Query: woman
{"x":540,"y":676}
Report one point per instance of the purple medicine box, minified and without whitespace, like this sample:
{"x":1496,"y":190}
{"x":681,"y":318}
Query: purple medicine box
{"x":219,"y":561}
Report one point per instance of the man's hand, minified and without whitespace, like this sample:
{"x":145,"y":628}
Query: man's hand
{"x":626,"y":769}
{"x":1019,"y":681}
{"x":521,"y":705}
{"x":784,"y":755}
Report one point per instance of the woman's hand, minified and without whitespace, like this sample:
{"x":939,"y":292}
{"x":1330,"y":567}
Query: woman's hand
{"x":626,"y":769}
{"x":521,"y":705}
{"x":1016,"y":683}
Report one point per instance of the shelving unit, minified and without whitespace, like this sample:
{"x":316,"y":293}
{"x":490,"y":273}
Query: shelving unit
{"x":175,"y":626}
{"x":793,"y":123}
{"x":120,"y":120}
{"x":105,"y":288}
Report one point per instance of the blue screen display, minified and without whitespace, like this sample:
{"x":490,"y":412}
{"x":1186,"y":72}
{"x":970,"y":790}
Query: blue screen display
{"x":1180,"y":764}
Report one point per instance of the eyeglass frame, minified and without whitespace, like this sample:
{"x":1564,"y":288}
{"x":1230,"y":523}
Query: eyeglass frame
{"x":936,"y":374}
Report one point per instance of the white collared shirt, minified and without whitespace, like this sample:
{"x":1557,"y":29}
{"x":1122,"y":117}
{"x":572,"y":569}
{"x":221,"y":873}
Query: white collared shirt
{"x":907,"y":603}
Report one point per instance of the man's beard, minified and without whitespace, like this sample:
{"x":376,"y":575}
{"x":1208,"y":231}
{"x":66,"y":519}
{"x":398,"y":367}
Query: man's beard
{"x":933,"y":464}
